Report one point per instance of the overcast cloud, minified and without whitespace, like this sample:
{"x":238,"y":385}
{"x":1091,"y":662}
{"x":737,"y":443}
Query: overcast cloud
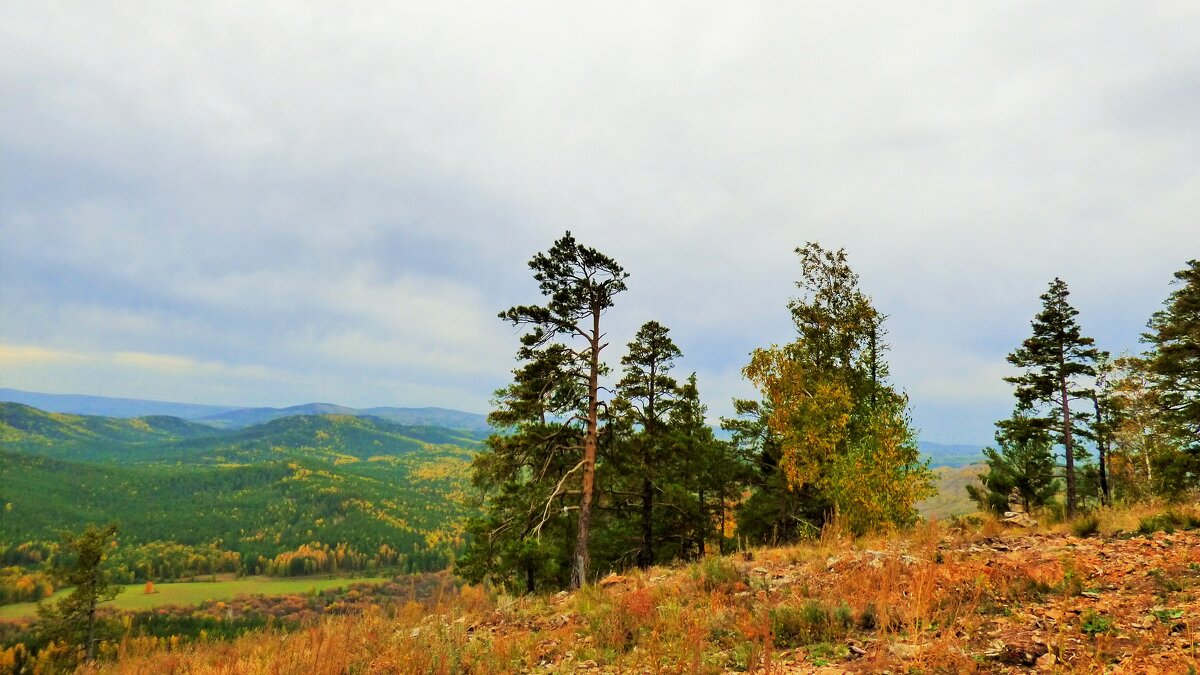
{"x":274,"y":203}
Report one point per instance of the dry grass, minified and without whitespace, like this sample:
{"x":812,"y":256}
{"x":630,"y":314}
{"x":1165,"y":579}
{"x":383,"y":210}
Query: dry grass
{"x":936,"y":599}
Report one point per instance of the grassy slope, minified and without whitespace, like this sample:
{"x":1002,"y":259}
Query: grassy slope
{"x":932,"y":600}
{"x":134,"y":596}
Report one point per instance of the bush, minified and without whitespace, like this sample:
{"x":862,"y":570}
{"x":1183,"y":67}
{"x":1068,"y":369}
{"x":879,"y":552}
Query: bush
{"x":1086,"y":526}
{"x":716,"y":572}
{"x":1168,"y":522}
{"x":811,"y":624}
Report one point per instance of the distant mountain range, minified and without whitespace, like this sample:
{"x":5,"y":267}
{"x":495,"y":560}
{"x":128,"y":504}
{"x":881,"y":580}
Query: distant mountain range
{"x":229,"y":417}
{"x":953,"y":455}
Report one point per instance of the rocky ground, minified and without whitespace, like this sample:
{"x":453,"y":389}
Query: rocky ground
{"x":982,"y":599}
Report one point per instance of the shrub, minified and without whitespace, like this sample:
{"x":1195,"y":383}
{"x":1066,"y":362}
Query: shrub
{"x":813,"y":623}
{"x":1086,"y":526}
{"x":716,"y":572}
{"x":1168,"y":521}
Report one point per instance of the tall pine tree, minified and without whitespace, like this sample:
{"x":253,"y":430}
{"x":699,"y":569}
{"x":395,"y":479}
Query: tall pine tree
{"x":1058,"y":362}
{"x":1174,"y":360}
{"x":552,"y":410}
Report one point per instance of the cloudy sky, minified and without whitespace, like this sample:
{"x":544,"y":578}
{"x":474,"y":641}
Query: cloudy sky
{"x":273,"y":203}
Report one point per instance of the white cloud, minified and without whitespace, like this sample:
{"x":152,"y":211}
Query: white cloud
{"x":335,"y":192}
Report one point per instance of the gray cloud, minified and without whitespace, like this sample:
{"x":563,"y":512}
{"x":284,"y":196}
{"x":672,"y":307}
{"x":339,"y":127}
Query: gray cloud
{"x":334,"y":203}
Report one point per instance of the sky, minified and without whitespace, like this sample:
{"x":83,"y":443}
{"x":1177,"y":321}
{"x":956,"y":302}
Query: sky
{"x":272,"y":203}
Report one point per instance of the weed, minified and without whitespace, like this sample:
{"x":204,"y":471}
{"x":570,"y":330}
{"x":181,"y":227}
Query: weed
{"x":812,"y":623}
{"x":1086,"y":526}
{"x":1168,"y":615}
{"x":790,"y":626}
{"x":823,"y":653}
{"x":1092,"y":623}
{"x":1168,"y":521}
{"x":1071,"y":584}
{"x":843,"y":616}
{"x":717,"y":572}
{"x":1164,"y":583}
{"x":868,"y":619}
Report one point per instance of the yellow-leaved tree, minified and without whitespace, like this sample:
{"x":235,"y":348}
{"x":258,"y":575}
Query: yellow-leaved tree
{"x":832,"y":433}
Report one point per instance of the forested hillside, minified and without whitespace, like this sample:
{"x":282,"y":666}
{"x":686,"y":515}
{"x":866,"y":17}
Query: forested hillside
{"x":275,"y":498}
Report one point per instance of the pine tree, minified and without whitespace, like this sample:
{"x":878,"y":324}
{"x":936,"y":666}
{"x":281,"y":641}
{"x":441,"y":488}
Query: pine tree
{"x":647,"y":395}
{"x":1056,"y":359}
{"x":706,"y":477}
{"x":1024,"y":462}
{"x":1174,"y":364}
{"x":80,"y":565}
{"x":579,"y":283}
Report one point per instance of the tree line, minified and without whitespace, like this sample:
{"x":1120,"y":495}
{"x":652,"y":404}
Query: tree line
{"x":583,"y":477}
{"x":1137,"y":415}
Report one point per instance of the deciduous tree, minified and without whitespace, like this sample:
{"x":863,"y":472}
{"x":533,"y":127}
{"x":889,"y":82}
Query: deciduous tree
{"x":842,"y":432}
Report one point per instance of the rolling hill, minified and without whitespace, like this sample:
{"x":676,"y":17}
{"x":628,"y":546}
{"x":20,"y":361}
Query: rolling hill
{"x":262,"y":490}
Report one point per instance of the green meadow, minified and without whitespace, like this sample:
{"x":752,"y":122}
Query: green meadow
{"x":195,"y":592}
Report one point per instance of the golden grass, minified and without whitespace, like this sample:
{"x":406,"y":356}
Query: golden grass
{"x":933,"y":599}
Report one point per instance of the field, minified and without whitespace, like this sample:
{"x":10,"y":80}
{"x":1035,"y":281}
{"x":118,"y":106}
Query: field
{"x":193,"y":593}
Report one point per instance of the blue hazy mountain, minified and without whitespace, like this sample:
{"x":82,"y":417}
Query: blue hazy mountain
{"x":106,"y":406}
{"x":958,"y":454}
{"x":231,"y":417}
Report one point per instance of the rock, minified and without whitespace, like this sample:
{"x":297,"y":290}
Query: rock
{"x":1046,"y":661}
{"x":904,"y":651}
{"x":1017,"y":520}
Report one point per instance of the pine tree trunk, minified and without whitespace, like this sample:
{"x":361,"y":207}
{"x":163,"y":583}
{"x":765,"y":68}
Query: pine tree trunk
{"x":1102,"y":451}
{"x":579,"y":573}
{"x":1070,"y":449}
{"x":646,"y":554}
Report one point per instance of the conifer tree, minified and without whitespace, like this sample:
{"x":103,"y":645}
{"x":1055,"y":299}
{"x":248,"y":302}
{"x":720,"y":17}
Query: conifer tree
{"x":707,"y":477}
{"x":579,"y":284}
{"x":647,"y":395}
{"x":1057,"y":360}
{"x":1024,"y":462}
{"x":80,"y":565}
{"x":1174,"y":363}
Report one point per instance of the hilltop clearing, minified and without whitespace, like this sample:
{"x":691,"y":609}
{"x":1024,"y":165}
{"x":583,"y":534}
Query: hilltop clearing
{"x":935,"y":601}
